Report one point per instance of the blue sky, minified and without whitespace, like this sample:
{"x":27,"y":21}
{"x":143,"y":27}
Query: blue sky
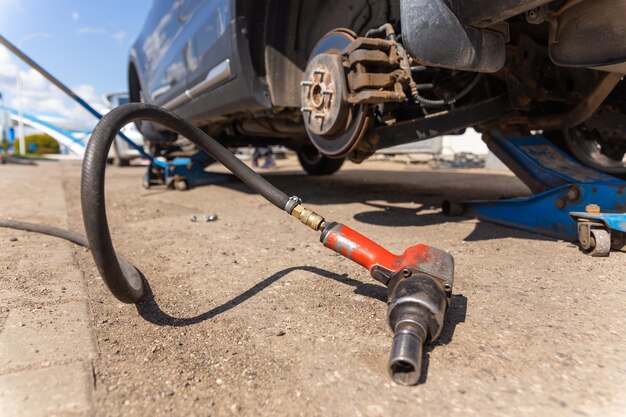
{"x":85,"y":44}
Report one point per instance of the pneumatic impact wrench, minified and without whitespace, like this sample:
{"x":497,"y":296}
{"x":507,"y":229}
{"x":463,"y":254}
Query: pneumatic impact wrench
{"x":419,"y":280}
{"x":419,"y":286}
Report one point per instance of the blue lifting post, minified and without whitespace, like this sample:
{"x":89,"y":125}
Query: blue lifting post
{"x":571,"y":201}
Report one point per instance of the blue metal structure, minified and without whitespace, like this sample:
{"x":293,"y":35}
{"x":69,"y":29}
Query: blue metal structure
{"x":71,"y":139}
{"x":184,"y":173}
{"x":564,"y":189}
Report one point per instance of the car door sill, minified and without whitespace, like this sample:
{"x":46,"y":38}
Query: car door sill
{"x":216,"y":75}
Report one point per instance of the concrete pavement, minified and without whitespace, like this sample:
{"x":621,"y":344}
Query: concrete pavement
{"x":249,"y":315}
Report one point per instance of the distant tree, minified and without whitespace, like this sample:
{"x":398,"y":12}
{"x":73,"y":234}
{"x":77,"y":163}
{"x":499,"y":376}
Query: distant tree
{"x":40,"y":143}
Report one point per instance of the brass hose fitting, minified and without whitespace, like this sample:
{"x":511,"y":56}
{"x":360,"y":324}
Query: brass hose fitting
{"x":308,"y":217}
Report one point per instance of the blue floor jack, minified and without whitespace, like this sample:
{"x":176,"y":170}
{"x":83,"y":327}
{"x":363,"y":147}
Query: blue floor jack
{"x":183,"y":173}
{"x":571,"y":201}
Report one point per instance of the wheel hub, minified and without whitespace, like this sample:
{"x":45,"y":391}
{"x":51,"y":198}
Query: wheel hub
{"x":334,"y":126}
{"x":322,"y":95}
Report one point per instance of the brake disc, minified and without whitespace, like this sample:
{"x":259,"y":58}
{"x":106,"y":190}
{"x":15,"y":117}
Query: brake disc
{"x":334,"y":126}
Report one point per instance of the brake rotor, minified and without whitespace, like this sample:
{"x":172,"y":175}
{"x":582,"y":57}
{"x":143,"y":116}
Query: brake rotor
{"x":334,"y":126}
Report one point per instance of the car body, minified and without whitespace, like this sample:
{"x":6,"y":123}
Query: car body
{"x":235,"y":68}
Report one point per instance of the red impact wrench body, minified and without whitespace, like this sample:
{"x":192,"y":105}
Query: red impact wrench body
{"x":419,"y":286}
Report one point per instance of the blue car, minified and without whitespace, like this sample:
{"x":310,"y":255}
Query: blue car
{"x":337,"y":80}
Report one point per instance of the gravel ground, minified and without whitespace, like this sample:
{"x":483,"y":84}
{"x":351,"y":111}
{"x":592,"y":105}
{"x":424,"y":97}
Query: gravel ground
{"x":250,"y":315}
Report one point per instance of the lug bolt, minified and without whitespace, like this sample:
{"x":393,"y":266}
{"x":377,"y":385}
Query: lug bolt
{"x":592,"y":209}
{"x":319,"y":71}
{"x":327,"y":92}
{"x":305,"y":83}
{"x":306,"y":109}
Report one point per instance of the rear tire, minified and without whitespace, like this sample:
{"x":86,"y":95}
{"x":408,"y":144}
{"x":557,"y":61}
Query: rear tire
{"x":314,"y":163}
{"x":585,"y":147}
{"x":150,"y":131}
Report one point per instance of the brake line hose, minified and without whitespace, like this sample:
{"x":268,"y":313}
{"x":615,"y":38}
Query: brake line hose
{"x":443,"y":102}
{"x":122,"y":279}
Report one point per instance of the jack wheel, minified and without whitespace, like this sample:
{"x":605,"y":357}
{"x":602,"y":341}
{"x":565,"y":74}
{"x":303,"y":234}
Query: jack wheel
{"x":452,"y":208}
{"x":145,"y":183}
{"x":181,"y":185}
{"x":600,"y":244}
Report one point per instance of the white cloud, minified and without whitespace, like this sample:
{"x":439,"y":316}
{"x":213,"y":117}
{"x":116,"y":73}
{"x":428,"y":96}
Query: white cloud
{"x":15,"y":5}
{"x":50,"y":100}
{"x":8,"y":67}
{"x":119,"y":36}
{"x":34,"y":80}
{"x":8,"y":73}
{"x":90,"y":31}
{"x":75,"y":16}
{"x":38,"y":95}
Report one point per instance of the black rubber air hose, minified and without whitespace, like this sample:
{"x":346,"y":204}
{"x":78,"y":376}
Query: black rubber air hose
{"x":120,"y":277}
{"x":74,"y":237}
{"x":46,"y":230}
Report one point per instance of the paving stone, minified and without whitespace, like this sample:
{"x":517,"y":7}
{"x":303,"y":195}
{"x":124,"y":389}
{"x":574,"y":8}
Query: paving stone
{"x":46,"y":341}
{"x":56,"y":333}
{"x":64,"y":390}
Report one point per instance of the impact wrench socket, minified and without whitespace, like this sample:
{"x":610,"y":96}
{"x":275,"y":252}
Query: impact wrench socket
{"x":419,"y":286}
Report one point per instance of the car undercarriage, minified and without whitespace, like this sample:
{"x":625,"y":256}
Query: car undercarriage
{"x":344,"y":79}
